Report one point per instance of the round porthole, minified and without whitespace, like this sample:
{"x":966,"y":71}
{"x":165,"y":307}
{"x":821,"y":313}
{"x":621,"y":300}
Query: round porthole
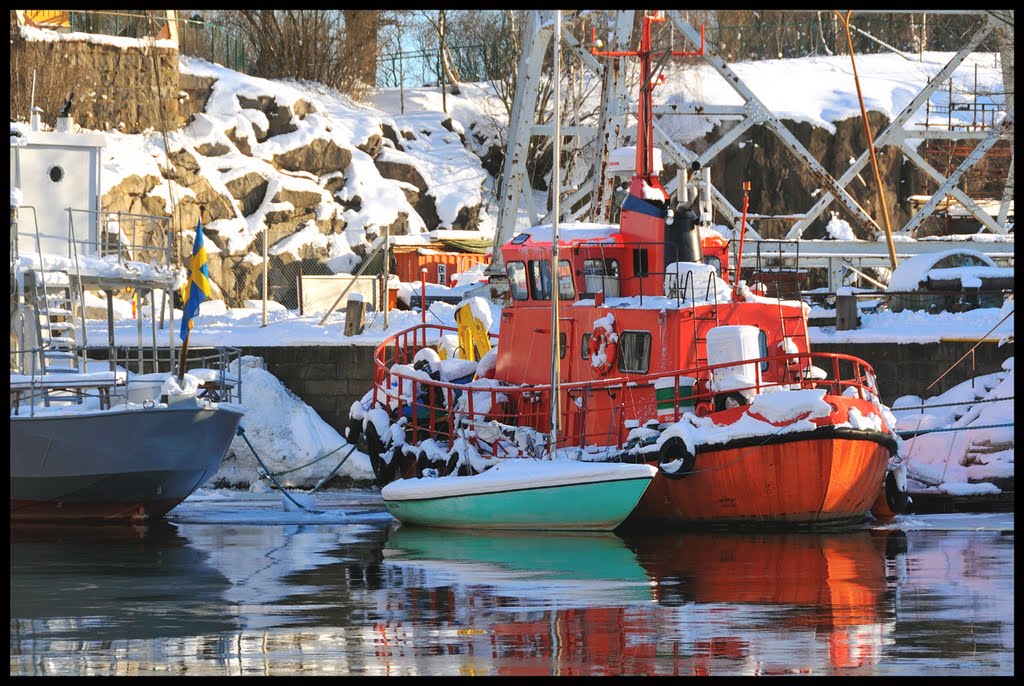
{"x":56,"y":174}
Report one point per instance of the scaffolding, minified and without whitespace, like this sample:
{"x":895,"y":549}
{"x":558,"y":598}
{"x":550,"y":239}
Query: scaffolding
{"x":987,"y":135}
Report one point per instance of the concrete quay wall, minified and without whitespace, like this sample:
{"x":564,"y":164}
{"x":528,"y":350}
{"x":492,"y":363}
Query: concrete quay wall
{"x":330,"y":379}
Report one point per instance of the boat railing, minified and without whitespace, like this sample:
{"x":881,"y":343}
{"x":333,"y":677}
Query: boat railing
{"x":515,"y":419}
{"x":35,"y":389}
{"x":218,"y":372}
{"x":128,"y":236}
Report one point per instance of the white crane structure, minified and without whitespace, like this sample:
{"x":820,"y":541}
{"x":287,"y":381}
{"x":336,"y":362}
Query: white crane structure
{"x":590,"y":198}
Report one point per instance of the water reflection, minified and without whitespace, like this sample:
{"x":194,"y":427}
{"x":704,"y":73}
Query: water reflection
{"x":365,"y":598}
{"x":117,"y":580}
{"x":678,"y":602}
{"x":76,"y":591}
{"x":792,"y":602}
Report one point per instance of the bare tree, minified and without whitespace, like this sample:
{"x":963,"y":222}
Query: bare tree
{"x":359,"y":51}
{"x":336,"y":48}
{"x":437,"y":22}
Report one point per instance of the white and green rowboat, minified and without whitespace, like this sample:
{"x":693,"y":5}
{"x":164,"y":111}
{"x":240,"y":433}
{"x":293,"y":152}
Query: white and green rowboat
{"x":523,"y":493}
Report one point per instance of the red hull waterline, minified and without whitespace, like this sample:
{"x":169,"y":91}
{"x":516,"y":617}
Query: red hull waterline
{"x":819,"y":481}
{"x":27,"y":510}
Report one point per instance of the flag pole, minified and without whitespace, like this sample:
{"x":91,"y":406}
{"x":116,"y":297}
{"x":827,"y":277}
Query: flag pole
{"x":181,"y":357}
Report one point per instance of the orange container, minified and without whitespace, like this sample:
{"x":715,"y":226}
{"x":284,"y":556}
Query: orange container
{"x":441,"y":265}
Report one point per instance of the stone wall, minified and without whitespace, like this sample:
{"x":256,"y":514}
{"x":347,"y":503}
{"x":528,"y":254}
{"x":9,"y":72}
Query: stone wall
{"x":908,"y":369}
{"x":330,"y":378}
{"x":327,"y":378}
{"x":114,"y":88}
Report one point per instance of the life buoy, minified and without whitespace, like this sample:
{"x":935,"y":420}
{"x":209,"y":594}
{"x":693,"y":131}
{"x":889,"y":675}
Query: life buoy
{"x":604,"y":346}
{"x":674,"y":450}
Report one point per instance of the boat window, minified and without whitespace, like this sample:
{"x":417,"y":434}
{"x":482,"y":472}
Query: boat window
{"x":517,"y":280}
{"x":601,"y":275}
{"x":762,"y":344}
{"x":561,"y":346}
{"x":585,"y":346}
{"x":640,"y":262}
{"x":566,"y":289}
{"x":634,"y":351}
{"x":540,"y":280}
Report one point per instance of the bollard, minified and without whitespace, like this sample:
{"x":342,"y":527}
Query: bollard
{"x":847,"y":312}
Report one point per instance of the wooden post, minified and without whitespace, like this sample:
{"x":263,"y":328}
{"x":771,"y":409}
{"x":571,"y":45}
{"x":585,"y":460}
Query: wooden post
{"x":355,"y":316}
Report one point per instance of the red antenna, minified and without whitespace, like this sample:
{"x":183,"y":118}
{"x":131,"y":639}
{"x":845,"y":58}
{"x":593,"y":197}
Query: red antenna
{"x":645,"y":120}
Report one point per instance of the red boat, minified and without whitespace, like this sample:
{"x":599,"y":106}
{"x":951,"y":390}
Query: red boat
{"x":662,"y":360}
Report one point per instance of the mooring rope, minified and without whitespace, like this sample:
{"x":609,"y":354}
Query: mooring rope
{"x":912,"y":434}
{"x":241,"y":432}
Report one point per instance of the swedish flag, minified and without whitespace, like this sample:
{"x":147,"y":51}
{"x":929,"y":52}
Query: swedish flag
{"x":198,"y":286}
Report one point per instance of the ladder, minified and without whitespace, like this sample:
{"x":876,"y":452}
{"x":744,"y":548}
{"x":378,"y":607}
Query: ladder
{"x":54,"y":303}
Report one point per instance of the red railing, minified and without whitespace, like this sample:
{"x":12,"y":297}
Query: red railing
{"x":515,"y":420}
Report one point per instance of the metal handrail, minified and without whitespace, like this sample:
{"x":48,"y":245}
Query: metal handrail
{"x":440,"y":409}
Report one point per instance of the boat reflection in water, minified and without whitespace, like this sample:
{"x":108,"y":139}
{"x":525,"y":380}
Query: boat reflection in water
{"x":682,"y":603}
{"x":823,"y":596}
{"x":549,"y":568}
{"x":98,"y":583}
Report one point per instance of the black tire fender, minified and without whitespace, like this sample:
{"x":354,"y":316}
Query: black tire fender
{"x":383,"y":473}
{"x":896,"y":499}
{"x":722,"y":400}
{"x":354,"y":430}
{"x":674,"y":448}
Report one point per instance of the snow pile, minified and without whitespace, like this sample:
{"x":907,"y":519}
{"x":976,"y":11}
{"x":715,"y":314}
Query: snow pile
{"x":970,"y":462}
{"x":286,"y":434}
{"x":912,"y":272}
{"x":840,"y":229}
{"x":783,"y":407}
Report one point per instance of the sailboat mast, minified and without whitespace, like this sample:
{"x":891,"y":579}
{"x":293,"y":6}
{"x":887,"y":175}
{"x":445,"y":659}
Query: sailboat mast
{"x":555,"y":211}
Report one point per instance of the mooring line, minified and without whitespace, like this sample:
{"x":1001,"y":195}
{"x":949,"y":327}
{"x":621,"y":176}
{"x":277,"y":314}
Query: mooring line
{"x":241,"y":432}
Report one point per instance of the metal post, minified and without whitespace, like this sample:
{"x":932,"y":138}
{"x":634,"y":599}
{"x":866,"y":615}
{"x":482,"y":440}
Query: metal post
{"x":265,"y":261}
{"x":423,"y":295}
{"x":871,"y":143}
{"x":401,"y":73}
{"x":384,"y":288}
{"x":555,"y":212}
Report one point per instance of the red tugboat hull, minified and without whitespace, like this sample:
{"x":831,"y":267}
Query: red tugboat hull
{"x":804,"y":480}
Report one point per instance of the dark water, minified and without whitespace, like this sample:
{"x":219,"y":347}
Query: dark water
{"x":243,"y":588}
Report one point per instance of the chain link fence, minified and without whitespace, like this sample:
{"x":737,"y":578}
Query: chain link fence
{"x":197,"y":36}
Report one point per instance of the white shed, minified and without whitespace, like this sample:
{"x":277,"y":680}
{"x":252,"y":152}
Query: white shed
{"x":56,"y":170}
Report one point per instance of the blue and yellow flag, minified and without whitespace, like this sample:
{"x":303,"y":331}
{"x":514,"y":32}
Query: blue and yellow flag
{"x":198,"y":286}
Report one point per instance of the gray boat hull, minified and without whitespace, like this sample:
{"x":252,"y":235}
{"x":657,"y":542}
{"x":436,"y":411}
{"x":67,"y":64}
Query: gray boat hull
{"x":122,"y":465}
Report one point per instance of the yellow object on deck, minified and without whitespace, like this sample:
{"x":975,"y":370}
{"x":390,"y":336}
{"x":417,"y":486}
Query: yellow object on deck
{"x":474,"y":341}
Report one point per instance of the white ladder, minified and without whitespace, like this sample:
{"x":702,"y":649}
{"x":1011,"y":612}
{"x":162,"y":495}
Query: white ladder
{"x":55,"y":303}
